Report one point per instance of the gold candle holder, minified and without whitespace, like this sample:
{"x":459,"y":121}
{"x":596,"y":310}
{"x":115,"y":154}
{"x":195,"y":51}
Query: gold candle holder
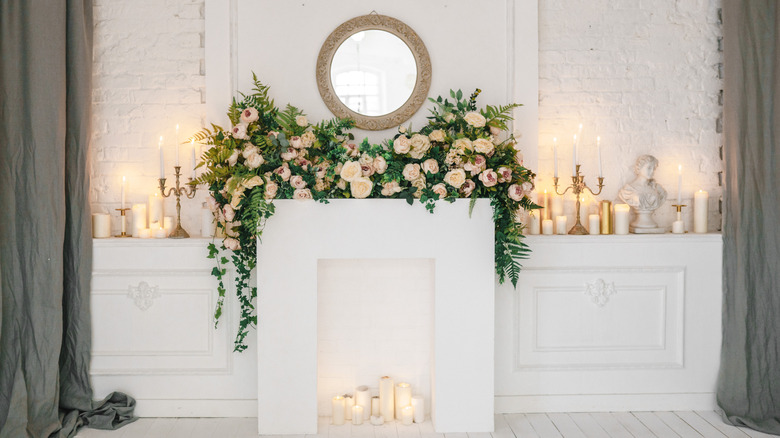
{"x":678,"y":227}
{"x":123,"y":215}
{"x":188,"y":191}
{"x":606,"y":217}
{"x":577,"y":187}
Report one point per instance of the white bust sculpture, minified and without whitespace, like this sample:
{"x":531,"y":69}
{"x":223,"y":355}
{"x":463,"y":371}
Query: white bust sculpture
{"x":644,"y":195}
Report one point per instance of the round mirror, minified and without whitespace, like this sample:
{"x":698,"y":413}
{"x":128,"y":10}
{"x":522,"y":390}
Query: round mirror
{"x":375,"y":70}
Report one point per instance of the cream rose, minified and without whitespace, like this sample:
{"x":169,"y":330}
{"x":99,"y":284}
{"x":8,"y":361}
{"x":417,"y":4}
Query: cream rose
{"x":229,"y":213}
{"x":515,"y":192}
{"x":233,"y":159}
{"x":437,"y":135}
{"x":419,"y":184}
{"x":302,"y":194}
{"x":254,"y":161}
{"x":361,"y":188}
{"x":297,"y":182}
{"x":295,"y":141}
{"x":289,"y":155}
{"x":475,"y":119}
{"x":301,"y":121}
{"x":341,"y":184}
{"x":252,"y":182}
{"x":449,"y":117}
{"x":468,"y":187}
{"x":283,"y":171}
{"x":391,"y":188}
{"x":249,"y":149}
{"x":270,"y":190}
{"x":308,"y":139}
{"x":453,"y":158}
{"x":430,"y":166}
{"x":440,"y":190}
{"x":411,"y":171}
{"x":462,"y":145}
{"x":402,"y":145}
{"x":402,"y":129}
{"x":483,"y":146}
{"x":351,"y":171}
{"x":419,"y":146}
{"x":249,"y":115}
{"x":212,"y":203}
{"x":488,"y":177}
{"x":365,"y":159}
{"x":455,"y":178}
{"x":231,"y":244}
{"x":380,"y":164}
{"x":239,"y":131}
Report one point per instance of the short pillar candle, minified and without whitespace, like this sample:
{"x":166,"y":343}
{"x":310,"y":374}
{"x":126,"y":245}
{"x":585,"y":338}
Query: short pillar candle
{"x":547,"y":227}
{"x":621,"y":218}
{"x":593,"y":224}
{"x":560,"y":224}
{"x":407,"y":415}
{"x":338,"y":410}
{"x":418,"y":403}
{"x":403,"y":398}
{"x":357,"y":415}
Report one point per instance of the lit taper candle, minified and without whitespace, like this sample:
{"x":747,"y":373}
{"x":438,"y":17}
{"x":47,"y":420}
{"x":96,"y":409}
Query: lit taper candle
{"x":162,"y":158}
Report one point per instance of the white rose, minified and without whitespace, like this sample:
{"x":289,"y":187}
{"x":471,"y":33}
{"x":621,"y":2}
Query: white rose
{"x":380,"y":164}
{"x":437,"y":135}
{"x":527,"y":187}
{"x":449,"y":117}
{"x":233,"y":159}
{"x":515,"y":192}
{"x":231,"y":244}
{"x":475,"y":119}
{"x":430,"y":166}
{"x":419,"y":184}
{"x":440,"y":190}
{"x":483,"y":146}
{"x":411,"y":171}
{"x":462,"y":145}
{"x":270,"y":190}
{"x":249,"y":115}
{"x":308,"y":139}
{"x":455,"y":178}
{"x":302,"y":194}
{"x":351,"y":171}
{"x":301,"y":121}
{"x":297,"y":182}
{"x":239,"y":131}
{"x":402,"y":145}
{"x":419,"y":146}
{"x":252,"y":182}
{"x":390,"y":188}
{"x":361,"y":188}
{"x":365,"y":159}
{"x":488,"y":177}
{"x":296,"y":142}
{"x":254,"y":161}
{"x":249,"y":149}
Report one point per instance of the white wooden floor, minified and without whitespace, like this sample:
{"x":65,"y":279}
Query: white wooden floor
{"x":685,"y":424}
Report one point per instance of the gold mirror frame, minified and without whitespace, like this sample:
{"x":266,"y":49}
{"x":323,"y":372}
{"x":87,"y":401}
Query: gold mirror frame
{"x":374,"y":21}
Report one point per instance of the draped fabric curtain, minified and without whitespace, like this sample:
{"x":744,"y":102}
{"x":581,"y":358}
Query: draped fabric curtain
{"x":45,"y":238}
{"x":749,"y":379}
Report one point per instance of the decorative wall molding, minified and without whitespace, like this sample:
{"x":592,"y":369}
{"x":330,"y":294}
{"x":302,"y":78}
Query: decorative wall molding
{"x":599,"y":291}
{"x":143,"y":295}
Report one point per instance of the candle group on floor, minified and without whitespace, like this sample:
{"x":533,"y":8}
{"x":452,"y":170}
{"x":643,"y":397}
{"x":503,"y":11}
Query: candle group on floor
{"x":394,"y":402}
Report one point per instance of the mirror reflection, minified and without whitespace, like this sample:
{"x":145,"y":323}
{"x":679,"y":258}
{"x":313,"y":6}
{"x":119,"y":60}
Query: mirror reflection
{"x":373,"y":72}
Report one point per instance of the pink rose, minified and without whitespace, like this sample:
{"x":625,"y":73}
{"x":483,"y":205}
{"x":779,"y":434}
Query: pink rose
{"x":239,"y":131}
{"x":440,"y":190}
{"x":494,"y":130}
{"x":380,"y":164}
{"x":283,"y":171}
{"x":488,"y":177}
{"x":468,"y":187}
{"x":352,"y":149}
{"x":302,"y":194}
{"x":231,"y":244}
{"x":478,"y":165}
{"x":295,"y":141}
{"x":297,"y":182}
{"x":367,"y":170}
{"x":515,"y":192}
{"x":289,"y":155}
{"x":249,"y":115}
{"x":504,"y":174}
{"x":229,"y":213}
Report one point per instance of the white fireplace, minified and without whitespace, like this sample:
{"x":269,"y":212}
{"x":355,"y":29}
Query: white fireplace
{"x":306,"y":242}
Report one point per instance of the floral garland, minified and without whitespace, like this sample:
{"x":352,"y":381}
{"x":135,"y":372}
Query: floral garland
{"x":277,"y":154}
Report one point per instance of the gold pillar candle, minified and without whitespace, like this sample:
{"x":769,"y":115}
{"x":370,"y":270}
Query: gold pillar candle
{"x":606,"y":217}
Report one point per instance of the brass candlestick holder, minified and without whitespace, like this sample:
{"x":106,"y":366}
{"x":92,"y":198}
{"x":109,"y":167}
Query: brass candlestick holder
{"x":678,"y":227}
{"x":123,"y":215}
{"x":188,"y":191}
{"x":578,"y":186}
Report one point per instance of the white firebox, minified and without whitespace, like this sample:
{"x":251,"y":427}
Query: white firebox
{"x":307,"y":244}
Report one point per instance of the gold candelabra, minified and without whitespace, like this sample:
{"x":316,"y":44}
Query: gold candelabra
{"x":188,"y":191}
{"x":578,"y":186}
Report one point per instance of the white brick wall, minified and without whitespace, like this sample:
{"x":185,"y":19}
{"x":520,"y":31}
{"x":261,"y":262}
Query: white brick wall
{"x":640,"y":73}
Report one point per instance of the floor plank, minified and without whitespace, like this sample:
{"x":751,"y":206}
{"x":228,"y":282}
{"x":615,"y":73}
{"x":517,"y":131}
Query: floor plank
{"x":520,"y":426}
{"x":588,"y":425}
{"x":713,"y":418}
{"x":700,"y":424}
{"x":543,"y":426}
{"x":655,"y":424}
{"x":633,"y":425}
{"x":566,"y":425}
{"x":678,"y":425}
{"x":611,"y":425}
{"x":501,"y":428}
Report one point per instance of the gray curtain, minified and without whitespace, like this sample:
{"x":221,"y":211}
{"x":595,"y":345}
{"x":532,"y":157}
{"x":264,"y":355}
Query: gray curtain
{"x":45,"y":238}
{"x":749,"y":379}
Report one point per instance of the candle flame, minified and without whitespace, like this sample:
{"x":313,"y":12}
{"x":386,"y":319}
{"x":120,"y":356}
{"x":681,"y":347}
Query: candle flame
{"x":679,"y":168}
{"x":123,"y":179}
{"x":575,"y":137}
{"x":555,"y":139}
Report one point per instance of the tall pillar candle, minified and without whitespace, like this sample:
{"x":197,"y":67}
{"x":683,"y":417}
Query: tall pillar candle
{"x":583,"y":210}
{"x":348,"y":403}
{"x":547,"y":227}
{"x":101,"y":225}
{"x":363,"y":398}
{"x":387,"y":398}
{"x":700,"y":210}
{"x":155,"y":208}
{"x":418,"y":403}
{"x":560,"y":224}
{"x":375,"y":410}
{"x":403,"y":398}
{"x":139,"y":218}
{"x":606,"y":217}
{"x":339,"y":408}
{"x":593,"y":224}
{"x":621,"y":218}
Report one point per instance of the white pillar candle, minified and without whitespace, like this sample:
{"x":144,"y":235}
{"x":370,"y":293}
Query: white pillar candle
{"x":407,"y":415}
{"x":162,"y":158}
{"x":124,"y":182}
{"x":700,"y":210}
{"x":418,"y":403}
{"x":159,"y":233}
{"x":560,"y":224}
{"x":403,"y":398}
{"x":621,"y":218}
{"x":357,"y":415}
{"x":155,"y":208}
{"x":338,"y":415}
{"x":139,"y":218}
{"x":101,"y":225}
{"x":678,"y":227}
{"x":556,"y":206}
{"x":144,"y":233}
{"x":555,"y":158}
{"x":363,"y":399}
{"x":545,"y":203}
{"x":583,"y":210}
{"x":533,"y":222}
{"x":547,"y":227}
{"x":375,"y":411}
{"x":349,"y":403}
{"x":387,"y":398}
{"x":377,"y":420}
{"x":168,"y":225}
{"x":593,"y":224}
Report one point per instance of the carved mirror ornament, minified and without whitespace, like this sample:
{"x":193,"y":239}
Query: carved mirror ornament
{"x":371,"y":86}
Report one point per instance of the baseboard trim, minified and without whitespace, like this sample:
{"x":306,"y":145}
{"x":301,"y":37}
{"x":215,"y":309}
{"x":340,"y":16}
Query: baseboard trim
{"x":195,"y":408}
{"x":605,"y":403}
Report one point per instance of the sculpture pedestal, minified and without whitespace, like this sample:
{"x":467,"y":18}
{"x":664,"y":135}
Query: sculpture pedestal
{"x":644,"y":223}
